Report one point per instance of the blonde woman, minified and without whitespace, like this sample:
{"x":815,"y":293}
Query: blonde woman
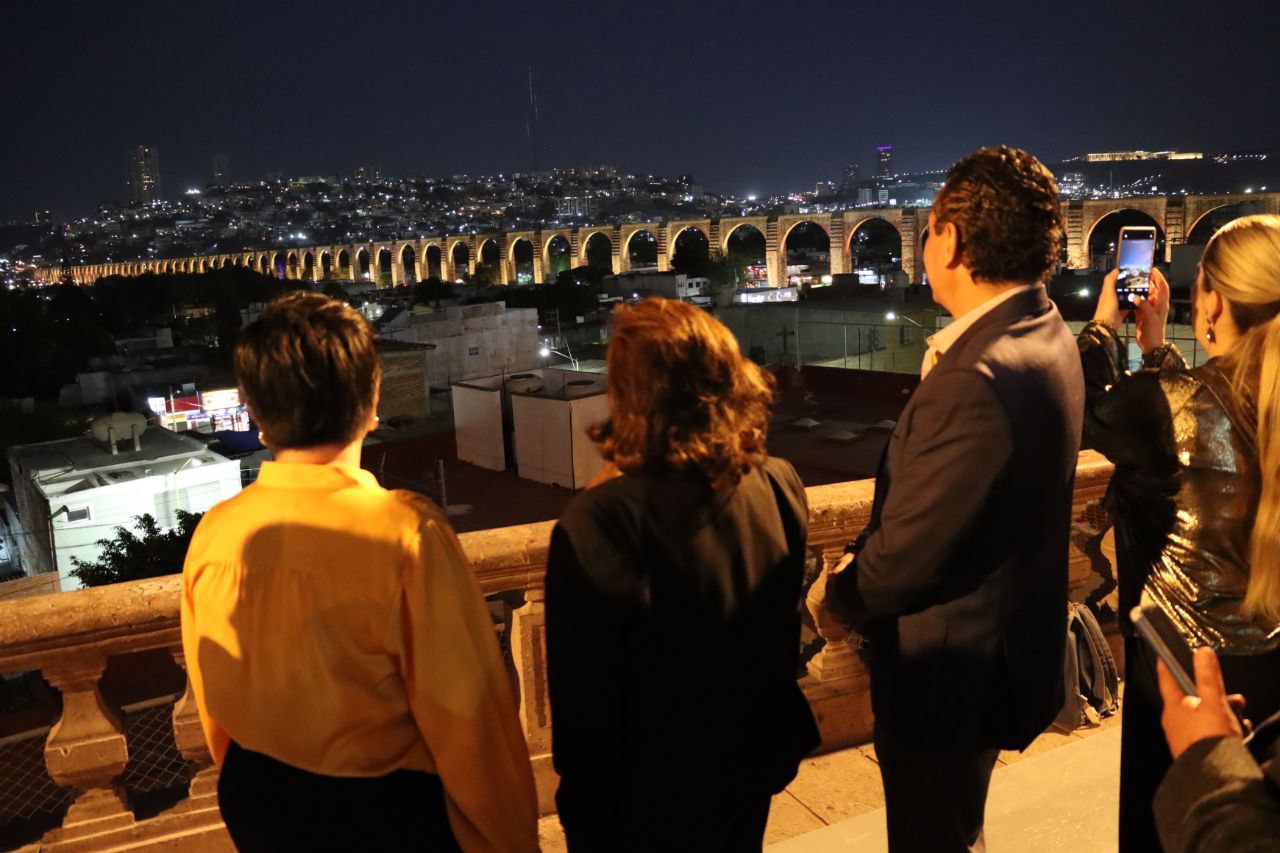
{"x":1196,"y":490}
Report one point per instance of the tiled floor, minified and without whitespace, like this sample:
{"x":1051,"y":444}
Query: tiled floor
{"x":1059,"y":794}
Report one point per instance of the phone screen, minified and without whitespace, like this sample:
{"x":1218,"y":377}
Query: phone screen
{"x":1133,"y":262}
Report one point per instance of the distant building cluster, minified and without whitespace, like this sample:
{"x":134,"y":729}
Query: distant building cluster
{"x":227,"y":216}
{"x":1115,"y":156}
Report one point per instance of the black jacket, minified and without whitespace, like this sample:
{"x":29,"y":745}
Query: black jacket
{"x":1185,"y":490}
{"x":960,"y":582}
{"x":1222,"y":794}
{"x":673,"y":640}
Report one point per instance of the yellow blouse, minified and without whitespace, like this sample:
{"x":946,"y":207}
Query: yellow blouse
{"x":337,"y":627}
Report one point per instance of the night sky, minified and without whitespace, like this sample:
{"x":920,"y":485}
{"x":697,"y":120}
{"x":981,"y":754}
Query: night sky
{"x":748,"y":96}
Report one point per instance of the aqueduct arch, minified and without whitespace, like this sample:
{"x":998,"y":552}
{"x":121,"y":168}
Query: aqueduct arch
{"x":1116,"y":219}
{"x":461,"y":257}
{"x":406,"y":269}
{"x":640,"y":248}
{"x":592,"y":246}
{"x":557,"y":255}
{"x":801,"y":239}
{"x":523,"y":260}
{"x":875,"y":242}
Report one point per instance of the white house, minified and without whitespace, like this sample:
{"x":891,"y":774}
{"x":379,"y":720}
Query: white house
{"x":71,"y":493}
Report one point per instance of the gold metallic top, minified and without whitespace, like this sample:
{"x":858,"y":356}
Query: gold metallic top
{"x":1185,"y":491}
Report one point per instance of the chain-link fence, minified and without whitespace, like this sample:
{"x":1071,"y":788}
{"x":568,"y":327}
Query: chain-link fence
{"x":26,"y":791}
{"x":156,"y":770}
{"x":155,"y":764}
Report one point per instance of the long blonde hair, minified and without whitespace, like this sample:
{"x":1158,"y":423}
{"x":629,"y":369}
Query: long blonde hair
{"x":1242,"y":263}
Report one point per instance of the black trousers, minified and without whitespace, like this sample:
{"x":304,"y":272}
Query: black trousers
{"x":934,"y":801}
{"x":1144,"y":754}
{"x":268,"y":805}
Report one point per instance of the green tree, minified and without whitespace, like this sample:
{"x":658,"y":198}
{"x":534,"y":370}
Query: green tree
{"x":723,"y":270}
{"x":486,"y":275}
{"x":129,"y":556}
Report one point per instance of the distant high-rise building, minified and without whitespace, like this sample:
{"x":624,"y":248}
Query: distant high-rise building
{"x":144,"y":174}
{"x":221,"y":169}
{"x":41,"y":217}
{"x":575,"y":206}
{"x":850,"y":176}
{"x":886,"y":161}
{"x":368,"y":172}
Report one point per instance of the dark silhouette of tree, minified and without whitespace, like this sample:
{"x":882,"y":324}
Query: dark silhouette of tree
{"x":149,"y":553}
{"x":45,"y":337}
{"x":431,"y":291}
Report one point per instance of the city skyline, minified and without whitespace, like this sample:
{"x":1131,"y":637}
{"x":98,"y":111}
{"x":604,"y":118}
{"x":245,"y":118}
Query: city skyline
{"x":299,"y":103}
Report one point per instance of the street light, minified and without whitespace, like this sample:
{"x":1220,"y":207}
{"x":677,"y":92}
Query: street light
{"x":547,"y":352}
{"x":893,"y":316}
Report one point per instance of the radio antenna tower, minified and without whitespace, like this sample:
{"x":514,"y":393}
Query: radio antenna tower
{"x":531,"y":122}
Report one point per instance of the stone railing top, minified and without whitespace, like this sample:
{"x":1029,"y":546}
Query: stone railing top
{"x":144,"y":614}
{"x":120,"y":617}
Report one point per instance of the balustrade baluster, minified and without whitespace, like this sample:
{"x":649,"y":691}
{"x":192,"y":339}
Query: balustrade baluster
{"x":529,"y":653}
{"x":836,"y":660}
{"x":202,"y":793}
{"x":86,"y":749}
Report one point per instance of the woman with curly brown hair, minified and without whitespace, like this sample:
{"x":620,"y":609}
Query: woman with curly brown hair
{"x":672,"y":602}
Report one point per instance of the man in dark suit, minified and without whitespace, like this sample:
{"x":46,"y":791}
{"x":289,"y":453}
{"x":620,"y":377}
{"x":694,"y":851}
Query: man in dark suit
{"x":959,"y":583}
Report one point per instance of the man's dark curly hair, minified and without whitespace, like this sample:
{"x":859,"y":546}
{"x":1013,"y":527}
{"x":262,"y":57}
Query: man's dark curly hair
{"x":1004,"y":205}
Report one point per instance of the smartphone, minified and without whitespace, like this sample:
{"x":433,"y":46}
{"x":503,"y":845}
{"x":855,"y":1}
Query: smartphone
{"x":1158,"y":631}
{"x":1134,"y":258}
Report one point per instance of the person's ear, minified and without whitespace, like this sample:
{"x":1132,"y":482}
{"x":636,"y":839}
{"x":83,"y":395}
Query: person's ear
{"x":950,"y":237}
{"x":377,"y":397}
{"x":1214,"y":305}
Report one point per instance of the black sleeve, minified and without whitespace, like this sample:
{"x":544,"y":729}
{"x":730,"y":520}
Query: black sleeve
{"x":584,"y":647}
{"x":1215,"y":797}
{"x":958,"y":443}
{"x":1126,"y":415}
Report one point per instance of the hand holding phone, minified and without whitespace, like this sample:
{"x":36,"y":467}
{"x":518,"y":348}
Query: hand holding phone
{"x":1213,"y":714}
{"x":1135,"y":258}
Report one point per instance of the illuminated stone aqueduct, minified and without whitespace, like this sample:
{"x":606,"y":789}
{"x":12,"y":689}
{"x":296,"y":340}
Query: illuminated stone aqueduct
{"x":448,"y":256}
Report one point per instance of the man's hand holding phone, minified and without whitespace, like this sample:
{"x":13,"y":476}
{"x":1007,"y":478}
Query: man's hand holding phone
{"x":1187,"y":719}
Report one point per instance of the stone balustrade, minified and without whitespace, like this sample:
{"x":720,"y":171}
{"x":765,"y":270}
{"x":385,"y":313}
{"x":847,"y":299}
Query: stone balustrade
{"x":70,"y":636}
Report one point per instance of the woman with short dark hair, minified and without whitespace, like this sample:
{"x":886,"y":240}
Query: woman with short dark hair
{"x":672,"y":602}
{"x":342,"y":659}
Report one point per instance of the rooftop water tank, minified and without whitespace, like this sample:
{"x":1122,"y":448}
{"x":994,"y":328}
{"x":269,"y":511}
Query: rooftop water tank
{"x":575,"y":388}
{"x":117,"y":426}
{"x":524,"y":383}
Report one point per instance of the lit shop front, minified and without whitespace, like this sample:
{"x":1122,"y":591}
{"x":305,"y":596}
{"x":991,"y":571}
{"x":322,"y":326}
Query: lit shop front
{"x":219,"y":410}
